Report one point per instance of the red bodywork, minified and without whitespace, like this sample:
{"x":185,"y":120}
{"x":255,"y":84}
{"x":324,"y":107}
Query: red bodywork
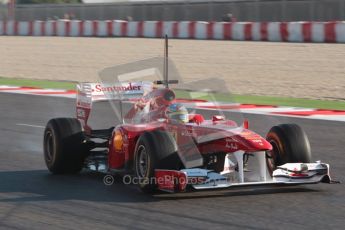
{"x":211,"y":136}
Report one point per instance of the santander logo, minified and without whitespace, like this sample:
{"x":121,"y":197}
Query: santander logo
{"x":117,"y":88}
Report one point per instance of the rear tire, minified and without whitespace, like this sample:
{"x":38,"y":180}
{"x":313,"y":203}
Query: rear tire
{"x":64,"y":151}
{"x":290,"y":144}
{"x":154,"y":150}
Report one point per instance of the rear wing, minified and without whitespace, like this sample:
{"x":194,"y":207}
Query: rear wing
{"x":87,"y":93}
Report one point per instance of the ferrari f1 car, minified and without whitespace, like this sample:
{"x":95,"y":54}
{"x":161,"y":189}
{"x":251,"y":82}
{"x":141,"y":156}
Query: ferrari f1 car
{"x":165,"y":147}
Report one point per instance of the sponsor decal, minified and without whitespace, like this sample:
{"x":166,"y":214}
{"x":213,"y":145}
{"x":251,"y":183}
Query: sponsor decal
{"x":230,"y":143}
{"x":117,"y":88}
{"x":250,"y":136}
{"x":123,"y":90}
{"x":259,"y":141}
{"x":187,"y":133}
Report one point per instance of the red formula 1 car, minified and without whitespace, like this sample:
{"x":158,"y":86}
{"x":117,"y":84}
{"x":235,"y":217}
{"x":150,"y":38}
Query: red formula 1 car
{"x":166,"y":148}
{"x":163,"y":146}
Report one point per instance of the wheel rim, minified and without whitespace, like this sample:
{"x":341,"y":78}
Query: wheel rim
{"x":142,"y":161}
{"x":272,"y":156}
{"x":49,"y":146}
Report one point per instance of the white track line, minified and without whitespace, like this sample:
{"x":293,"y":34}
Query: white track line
{"x":28,"y":125}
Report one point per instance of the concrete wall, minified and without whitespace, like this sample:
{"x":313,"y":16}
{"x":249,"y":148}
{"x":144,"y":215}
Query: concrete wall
{"x":200,"y":10}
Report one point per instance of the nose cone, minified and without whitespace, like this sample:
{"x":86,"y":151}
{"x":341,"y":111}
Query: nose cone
{"x":254,"y":142}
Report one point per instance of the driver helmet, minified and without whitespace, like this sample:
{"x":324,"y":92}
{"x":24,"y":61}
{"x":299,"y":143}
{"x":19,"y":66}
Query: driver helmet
{"x":177,"y":112}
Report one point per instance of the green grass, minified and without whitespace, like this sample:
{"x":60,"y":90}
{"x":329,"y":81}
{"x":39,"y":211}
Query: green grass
{"x":245,"y":99}
{"x":268,"y":100}
{"x":37,"y":83}
{"x":297,"y":102}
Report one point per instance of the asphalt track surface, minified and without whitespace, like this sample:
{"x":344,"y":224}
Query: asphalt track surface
{"x":32,"y":198}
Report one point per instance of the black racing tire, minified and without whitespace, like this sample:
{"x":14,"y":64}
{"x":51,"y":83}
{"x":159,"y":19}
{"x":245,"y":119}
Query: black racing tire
{"x":64,"y":152}
{"x":290,"y":144}
{"x":154,"y":150}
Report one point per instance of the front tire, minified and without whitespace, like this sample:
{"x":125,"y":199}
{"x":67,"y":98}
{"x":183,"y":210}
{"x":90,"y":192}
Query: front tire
{"x":64,"y":151}
{"x":154,"y":150}
{"x":290,"y":144}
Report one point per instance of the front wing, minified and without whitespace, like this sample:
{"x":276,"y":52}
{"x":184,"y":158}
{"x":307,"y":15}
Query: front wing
{"x":203,"y":179}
